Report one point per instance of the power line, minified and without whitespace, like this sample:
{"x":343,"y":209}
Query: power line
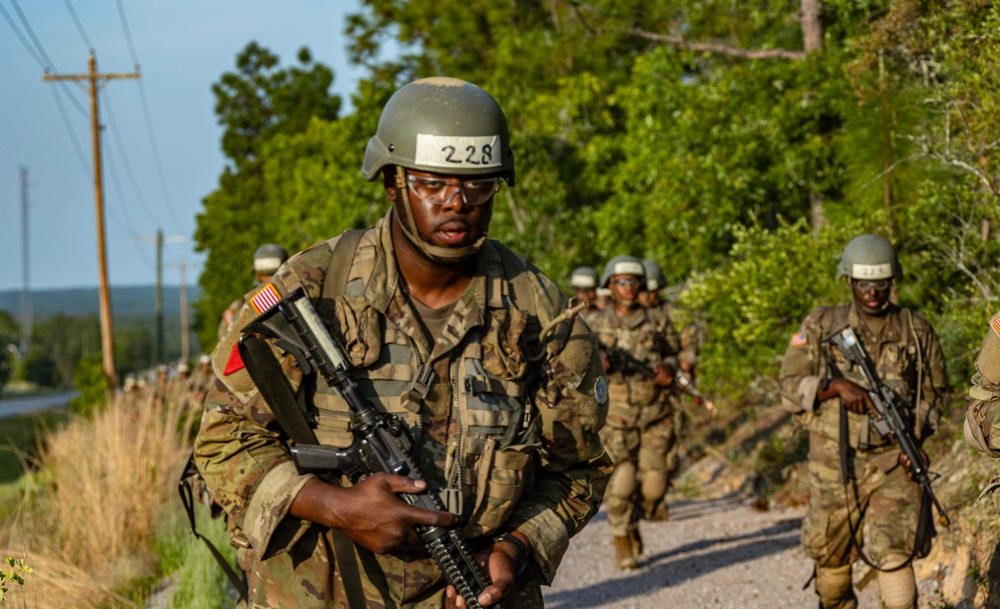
{"x":128,"y":227}
{"x":44,"y":55}
{"x":72,"y":134}
{"x":161,"y":175}
{"x":20,"y":36}
{"x":79,"y":25}
{"x":116,"y":136}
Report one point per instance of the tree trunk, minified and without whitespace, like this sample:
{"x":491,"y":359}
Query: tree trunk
{"x":812,"y":25}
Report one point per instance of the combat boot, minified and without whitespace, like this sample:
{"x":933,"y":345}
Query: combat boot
{"x":655,"y":511}
{"x":636,"y":540}
{"x":624,"y":559}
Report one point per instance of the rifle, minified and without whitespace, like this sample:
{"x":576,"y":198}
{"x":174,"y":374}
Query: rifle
{"x":382,"y":442}
{"x":624,"y":362}
{"x":889,"y":420}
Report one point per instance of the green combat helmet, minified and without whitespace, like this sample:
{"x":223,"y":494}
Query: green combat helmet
{"x":655,"y":281}
{"x":869,"y":257}
{"x":583,"y":278}
{"x":440,"y":125}
{"x":622,"y":265}
{"x":268,"y":258}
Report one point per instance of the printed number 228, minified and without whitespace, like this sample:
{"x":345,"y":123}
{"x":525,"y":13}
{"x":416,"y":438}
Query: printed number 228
{"x":474,"y":156}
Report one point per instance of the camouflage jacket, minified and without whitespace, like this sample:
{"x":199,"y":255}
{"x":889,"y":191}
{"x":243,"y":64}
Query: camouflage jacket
{"x":907,"y":356}
{"x":982,"y":419}
{"x":650,"y":337}
{"x":689,"y":335}
{"x":507,"y":426}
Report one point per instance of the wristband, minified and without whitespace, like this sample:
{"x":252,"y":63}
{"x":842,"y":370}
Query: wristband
{"x":519,"y":548}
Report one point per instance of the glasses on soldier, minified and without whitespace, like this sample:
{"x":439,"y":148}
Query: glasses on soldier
{"x":627,"y":282}
{"x":440,"y":191}
{"x":866,"y":286}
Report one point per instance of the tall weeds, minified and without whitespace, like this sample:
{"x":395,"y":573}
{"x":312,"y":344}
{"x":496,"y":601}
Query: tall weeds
{"x":89,"y":528}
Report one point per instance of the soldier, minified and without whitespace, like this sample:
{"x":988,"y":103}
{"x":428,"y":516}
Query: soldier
{"x":982,"y":419}
{"x":690,"y":342}
{"x":448,"y":330}
{"x":640,"y":429}
{"x":583,"y":280}
{"x":831,"y":400}
{"x":602,"y":299}
{"x":266,"y":261}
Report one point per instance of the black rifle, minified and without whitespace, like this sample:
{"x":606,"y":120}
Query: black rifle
{"x":382,"y":443}
{"x":889,"y":421}
{"x":624,"y":362}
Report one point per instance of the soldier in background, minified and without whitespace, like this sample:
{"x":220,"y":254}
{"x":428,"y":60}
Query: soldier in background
{"x":640,"y":429}
{"x":690,"y":341}
{"x":603,"y":299}
{"x":266,"y":261}
{"x":982,"y":419}
{"x":828,"y":397}
{"x":583,"y":280}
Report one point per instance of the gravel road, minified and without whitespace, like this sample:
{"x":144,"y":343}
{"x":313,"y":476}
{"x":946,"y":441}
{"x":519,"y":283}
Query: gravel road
{"x":712,"y":553}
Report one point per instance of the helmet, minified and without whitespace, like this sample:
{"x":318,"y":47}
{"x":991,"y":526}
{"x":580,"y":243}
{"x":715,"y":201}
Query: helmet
{"x":655,"y":281}
{"x":583,"y":277}
{"x":442,"y":125}
{"x":268,"y":258}
{"x":869,"y":257}
{"x":622,"y":265}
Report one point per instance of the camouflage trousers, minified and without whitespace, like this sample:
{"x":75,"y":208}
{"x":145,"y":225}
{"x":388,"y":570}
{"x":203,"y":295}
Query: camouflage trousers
{"x":673,"y":460}
{"x":884,"y":512}
{"x":308,"y":576}
{"x":639,"y":482}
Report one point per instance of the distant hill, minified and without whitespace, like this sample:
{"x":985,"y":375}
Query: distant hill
{"x":126,"y":301}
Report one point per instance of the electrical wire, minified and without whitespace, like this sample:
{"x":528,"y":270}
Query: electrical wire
{"x":79,"y":25}
{"x":161,"y":175}
{"x":116,"y":136}
{"x":41,"y":52}
{"x":127,"y":227}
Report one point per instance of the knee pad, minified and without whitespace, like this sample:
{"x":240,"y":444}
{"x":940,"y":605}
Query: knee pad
{"x":898,"y":589}
{"x":654,"y":485}
{"x":622,"y":482}
{"x":834,"y":587}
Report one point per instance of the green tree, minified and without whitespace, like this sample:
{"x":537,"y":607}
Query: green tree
{"x":9,"y":336}
{"x":255,"y":103}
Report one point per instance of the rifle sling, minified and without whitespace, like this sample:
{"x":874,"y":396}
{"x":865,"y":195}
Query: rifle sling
{"x":187,"y":499}
{"x":274,"y":387}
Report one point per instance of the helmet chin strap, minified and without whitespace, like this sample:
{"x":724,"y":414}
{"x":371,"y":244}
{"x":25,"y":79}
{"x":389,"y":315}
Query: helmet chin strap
{"x":443,"y":255}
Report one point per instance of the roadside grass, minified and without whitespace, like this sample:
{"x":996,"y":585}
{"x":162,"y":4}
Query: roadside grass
{"x":102,"y":505}
{"x":20,"y":440}
{"x":195,"y":579}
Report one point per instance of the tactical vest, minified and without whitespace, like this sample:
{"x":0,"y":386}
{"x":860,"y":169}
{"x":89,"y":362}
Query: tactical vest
{"x":899,"y":363}
{"x":497,"y":433}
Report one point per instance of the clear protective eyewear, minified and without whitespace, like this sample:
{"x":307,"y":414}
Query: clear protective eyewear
{"x":866,"y":286}
{"x":627,"y":282}
{"x":440,"y":191}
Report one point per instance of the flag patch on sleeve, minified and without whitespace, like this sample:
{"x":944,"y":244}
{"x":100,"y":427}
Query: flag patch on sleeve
{"x":265,"y":298}
{"x":996,"y":324}
{"x":799,"y":339}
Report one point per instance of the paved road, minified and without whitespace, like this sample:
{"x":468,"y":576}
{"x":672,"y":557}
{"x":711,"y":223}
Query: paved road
{"x":16,"y":406}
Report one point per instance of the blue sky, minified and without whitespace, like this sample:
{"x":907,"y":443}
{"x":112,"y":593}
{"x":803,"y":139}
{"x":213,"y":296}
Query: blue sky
{"x":182,"y":46}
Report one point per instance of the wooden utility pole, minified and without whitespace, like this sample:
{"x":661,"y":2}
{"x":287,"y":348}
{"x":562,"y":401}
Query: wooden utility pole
{"x":159,"y":240}
{"x":185,"y":326}
{"x":96,"y":81}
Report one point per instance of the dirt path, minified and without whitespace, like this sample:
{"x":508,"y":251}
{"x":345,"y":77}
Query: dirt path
{"x":712,"y":553}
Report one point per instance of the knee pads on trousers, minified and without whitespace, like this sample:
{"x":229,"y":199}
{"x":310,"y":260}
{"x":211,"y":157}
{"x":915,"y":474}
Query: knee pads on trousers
{"x":622,"y":482}
{"x":834,"y":587}
{"x":898,"y":589}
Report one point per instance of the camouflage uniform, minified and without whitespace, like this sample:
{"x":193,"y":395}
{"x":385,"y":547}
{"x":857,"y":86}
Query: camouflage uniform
{"x":982,"y":419}
{"x":229,"y":315}
{"x":640,"y":430}
{"x":908,"y":358}
{"x":544,"y":479}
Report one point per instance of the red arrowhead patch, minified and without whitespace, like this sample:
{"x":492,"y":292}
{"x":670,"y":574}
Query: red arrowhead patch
{"x":235,"y":362}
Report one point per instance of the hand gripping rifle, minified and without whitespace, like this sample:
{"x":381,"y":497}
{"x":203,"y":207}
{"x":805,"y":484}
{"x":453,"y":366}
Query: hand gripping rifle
{"x":382,"y":442}
{"x":624,"y":362}
{"x":889,"y":420}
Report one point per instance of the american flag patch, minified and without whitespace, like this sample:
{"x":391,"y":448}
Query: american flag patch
{"x":266,"y":298}
{"x":799,"y":339}
{"x":996,"y":325}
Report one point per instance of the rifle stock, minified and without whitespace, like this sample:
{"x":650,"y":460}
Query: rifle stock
{"x":889,"y":421}
{"x":382,"y":443}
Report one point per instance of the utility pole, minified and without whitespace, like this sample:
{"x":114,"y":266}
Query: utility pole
{"x":159,"y":240}
{"x":96,"y":81}
{"x":26,"y":313}
{"x":185,"y":327}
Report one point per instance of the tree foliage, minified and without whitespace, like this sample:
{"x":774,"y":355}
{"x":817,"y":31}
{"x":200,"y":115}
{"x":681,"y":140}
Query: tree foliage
{"x":697,"y":133}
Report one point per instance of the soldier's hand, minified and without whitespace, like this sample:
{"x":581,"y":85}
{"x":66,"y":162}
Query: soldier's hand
{"x":370,"y":513}
{"x":501,"y":563}
{"x":854,"y":396}
{"x":605,"y":362}
{"x":664,"y":375}
{"x":908,"y":464}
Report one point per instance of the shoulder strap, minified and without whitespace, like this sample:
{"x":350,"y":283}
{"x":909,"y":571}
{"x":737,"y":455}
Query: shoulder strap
{"x":340,"y":265}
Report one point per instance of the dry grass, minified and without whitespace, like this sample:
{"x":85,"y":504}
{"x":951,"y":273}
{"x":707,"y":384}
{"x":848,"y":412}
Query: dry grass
{"x":88,"y":528}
